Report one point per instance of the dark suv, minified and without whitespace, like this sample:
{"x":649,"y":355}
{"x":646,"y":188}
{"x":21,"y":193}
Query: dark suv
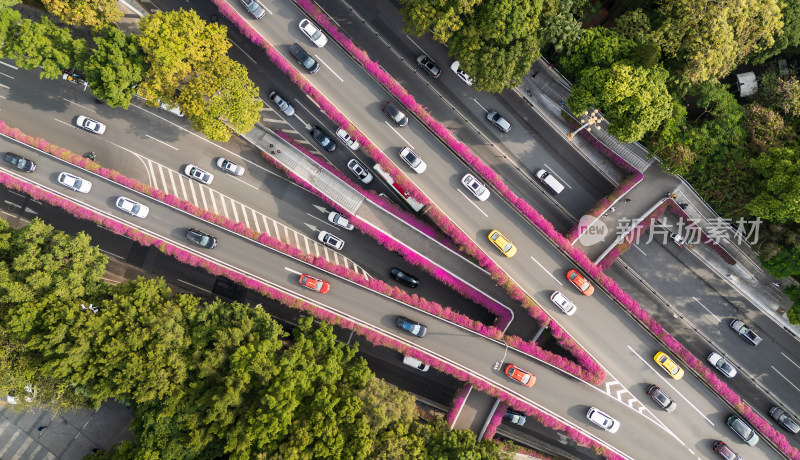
{"x":404,"y":278}
{"x":783,"y":418}
{"x":661,"y":398}
{"x":201,"y":238}
{"x":304,"y":58}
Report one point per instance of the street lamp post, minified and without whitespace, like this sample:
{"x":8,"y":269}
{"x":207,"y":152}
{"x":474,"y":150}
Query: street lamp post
{"x":588,"y":120}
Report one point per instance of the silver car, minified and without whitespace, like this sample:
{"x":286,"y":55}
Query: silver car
{"x":254,"y":8}
{"x":497,"y":120}
{"x":723,"y":366}
{"x":230,"y":167}
{"x":339,"y":220}
{"x":285,"y":107}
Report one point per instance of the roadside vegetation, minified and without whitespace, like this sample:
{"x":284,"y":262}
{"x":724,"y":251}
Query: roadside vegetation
{"x":203,"y":378}
{"x":662,"y":72}
{"x":178,"y":59}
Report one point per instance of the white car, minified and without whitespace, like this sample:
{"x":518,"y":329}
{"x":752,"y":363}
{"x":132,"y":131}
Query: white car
{"x":90,"y":125}
{"x":230,"y":167}
{"x":413,"y":160}
{"x":602,"y":420}
{"x":563,"y":303}
{"x":133,"y":208}
{"x":12,"y":399}
{"x":360,"y":171}
{"x":74,"y":182}
{"x":313,"y":33}
{"x":455,"y":67}
{"x":198,"y":174}
{"x":285,"y":107}
{"x":415,"y":363}
{"x":722,"y":365}
{"x":479,"y":190}
{"x":348,"y":141}
{"x":329,"y":240}
{"x":339,"y":220}
{"x":498,"y":120}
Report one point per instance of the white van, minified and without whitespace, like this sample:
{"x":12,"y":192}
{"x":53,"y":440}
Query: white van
{"x":551,"y":182}
{"x":414,"y":362}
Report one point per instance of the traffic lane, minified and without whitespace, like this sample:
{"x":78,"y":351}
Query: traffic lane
{"x":443,"y":94}
{"x":711,"y":304}
{"x":347,"y":297}
{"x":709,"y":314}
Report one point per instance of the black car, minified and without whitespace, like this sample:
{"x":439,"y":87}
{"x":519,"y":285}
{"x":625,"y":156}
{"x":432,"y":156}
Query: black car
{"x":23,"y":164}
{"x":746,"y":333}
{"x":201,"y":238}
{"x":395,"y":114}
{"x":404,"y":278}
{"x":304,"y":58}
{"x":783,"y":418}
{"x":725,"y":452}
{"x":324,"y":139}
{"x":411,"y":327}
{"x":661,"y":398}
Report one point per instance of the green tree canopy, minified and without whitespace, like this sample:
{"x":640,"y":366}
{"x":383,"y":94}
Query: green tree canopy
{"x":708,"y":39}
{"x":634,"y":100}
{"x":778,"y":199}
{"x":597,"y":47}
{"x":495,"y":41}
{"x":115,"y":67}
{"x":187,"y":54}
{"x":40,"y":44}
{"x":97,"y":14}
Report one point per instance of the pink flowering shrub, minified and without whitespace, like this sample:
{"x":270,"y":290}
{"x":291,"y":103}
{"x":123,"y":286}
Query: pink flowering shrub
{"x":632,"y":237}
{"x":458,"y":403}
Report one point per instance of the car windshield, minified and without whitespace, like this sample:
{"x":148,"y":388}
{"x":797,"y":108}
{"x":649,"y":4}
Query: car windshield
{"x":526,"y":378}
{"x":741,"y":427}
{"x":308,"y":62}
{"x":411,"y":158}
{"x":252,"y":6}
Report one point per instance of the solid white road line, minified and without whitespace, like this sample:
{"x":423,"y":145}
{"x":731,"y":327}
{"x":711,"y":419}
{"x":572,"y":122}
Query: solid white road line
{"x":709,"y":311}
{"x":545,"y":270}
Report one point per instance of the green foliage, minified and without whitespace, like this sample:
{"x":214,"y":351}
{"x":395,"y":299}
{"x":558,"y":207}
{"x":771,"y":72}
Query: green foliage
{"x":784,"y":264}
{"x":597,"y":47}
{"x":560,"y":28}
{"x":634,"y":100}
{"x":115,"y":67}
{"x":441,"y":442}
{"x":787,"y":37}
{"x":765,"y":128}
{"x":188,"y":66}
{"x":97,"y":14}
{"x":40,"y":44}
{"x":793,"y":315}
{"x":495,"y":41}
{"x":780,"y":169}
{"x":634,"y":25}
{"x":708,"y":39}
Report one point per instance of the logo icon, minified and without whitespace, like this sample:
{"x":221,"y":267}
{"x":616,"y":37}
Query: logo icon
{"x":592,"y":230}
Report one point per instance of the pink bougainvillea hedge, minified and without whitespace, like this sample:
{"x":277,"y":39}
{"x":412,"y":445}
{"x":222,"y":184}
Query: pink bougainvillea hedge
{"x":458,"y":402}
{"x":632,"y":237}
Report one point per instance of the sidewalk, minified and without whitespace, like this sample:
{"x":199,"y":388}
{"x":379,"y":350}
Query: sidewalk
{"x":547,"y":90}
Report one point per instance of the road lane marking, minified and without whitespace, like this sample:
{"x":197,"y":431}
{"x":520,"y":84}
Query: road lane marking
{"x":4,"y":86}
{"x":243,"y":51}
{"x":789,"y":359}
{"x":545,"y":270}
{"x":162,"y":142}
{"x":9,"y":65}
{"x":637,"y":247}
{"x":709,"y":311}
{"x":399,"y":135}
{"x":784,"y":377}
{"x":473,"y":203}
{"x":329,"y":68}
{"x":479,"y":105}
{"x":667,"y":382}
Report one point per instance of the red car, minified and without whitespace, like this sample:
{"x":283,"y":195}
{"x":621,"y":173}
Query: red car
{"x":315,"y":284}
{"x":525,"y":378}
{"x":580,"y":282}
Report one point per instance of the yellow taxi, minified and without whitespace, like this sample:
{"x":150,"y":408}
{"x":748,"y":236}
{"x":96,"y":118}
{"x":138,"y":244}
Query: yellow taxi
{"x":668,"y":365}
{"x":506,"y":247}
